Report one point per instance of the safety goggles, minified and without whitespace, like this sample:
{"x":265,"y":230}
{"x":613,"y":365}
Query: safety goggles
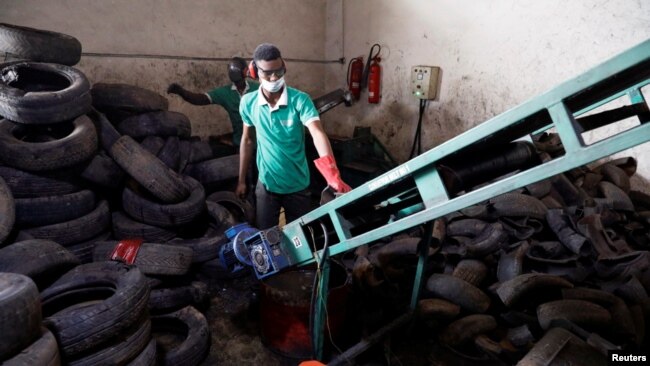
{"x":268,"y":73}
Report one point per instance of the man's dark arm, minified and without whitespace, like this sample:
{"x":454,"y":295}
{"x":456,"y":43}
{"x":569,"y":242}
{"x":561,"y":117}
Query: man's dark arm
{"x":188,"y":96}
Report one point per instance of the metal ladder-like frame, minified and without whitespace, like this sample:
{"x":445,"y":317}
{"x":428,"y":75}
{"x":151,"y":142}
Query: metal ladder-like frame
{"x":623,"y":75}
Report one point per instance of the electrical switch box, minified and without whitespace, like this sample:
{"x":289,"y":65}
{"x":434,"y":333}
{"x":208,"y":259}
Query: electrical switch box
{"x":424,"y":81}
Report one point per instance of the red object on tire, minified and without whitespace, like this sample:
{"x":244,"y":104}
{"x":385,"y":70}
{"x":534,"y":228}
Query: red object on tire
{"x":126,"y":250}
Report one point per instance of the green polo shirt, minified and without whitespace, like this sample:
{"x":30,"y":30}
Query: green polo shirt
{"x":280,"y":135}
{"x":228,"y":97}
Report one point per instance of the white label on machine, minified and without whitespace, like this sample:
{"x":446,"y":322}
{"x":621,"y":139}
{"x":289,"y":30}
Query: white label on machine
{"x":389,"y":177}
{"x":296,"y":242}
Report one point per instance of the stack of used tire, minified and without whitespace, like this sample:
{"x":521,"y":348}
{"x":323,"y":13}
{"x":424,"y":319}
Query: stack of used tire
{"x":556,"y":272}
{"x":47,"y":140}
{"x":142,"y":114}
{"x":81,"y":168}
{"x":163,"y":163}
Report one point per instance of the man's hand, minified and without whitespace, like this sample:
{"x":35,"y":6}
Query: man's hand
{"x":241,"y":190}
{"x":174,"y":89}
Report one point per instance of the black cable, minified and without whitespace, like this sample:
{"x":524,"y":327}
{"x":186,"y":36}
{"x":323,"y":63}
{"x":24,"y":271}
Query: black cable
{"x":196,"y":58}
{"x":417,"y":139}
{"x":424,"y":107}
{"x":316,"y":285}
{"x":366,"y":67}
{"x":347,"y":78}
{"x":420,"y":127}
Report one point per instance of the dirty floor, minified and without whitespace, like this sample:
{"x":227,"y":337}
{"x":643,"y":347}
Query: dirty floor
{"x":234,"y":322}
{"x":233,"y":318}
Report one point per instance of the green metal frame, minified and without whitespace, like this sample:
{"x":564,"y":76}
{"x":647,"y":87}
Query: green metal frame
{"x":623,"y":75}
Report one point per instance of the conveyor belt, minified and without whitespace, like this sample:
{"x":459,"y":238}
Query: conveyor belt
{"x":414,"y":193}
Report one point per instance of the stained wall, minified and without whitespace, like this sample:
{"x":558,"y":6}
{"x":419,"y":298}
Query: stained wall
{"x":193,"y":28}
{"x":493,"y":54}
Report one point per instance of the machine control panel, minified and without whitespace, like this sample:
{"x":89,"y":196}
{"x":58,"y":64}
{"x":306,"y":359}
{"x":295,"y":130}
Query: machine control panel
{"x":424,"y":81}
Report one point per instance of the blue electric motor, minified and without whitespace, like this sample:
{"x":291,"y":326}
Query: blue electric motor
{"x":234,"y":254}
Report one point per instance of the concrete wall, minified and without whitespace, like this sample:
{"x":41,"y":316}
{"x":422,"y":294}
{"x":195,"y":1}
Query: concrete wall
{"x":198,"y":28}
{"x":494,"y":55}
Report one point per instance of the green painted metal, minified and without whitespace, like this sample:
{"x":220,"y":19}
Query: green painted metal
{"x":423,"y":165}
{"x":613,"y":97}
{"x":634,"y":93}
{"x":430,"y":187}
{"x":566,"y":127}
{"x":636,"y":96}
{"x":622,"y":75}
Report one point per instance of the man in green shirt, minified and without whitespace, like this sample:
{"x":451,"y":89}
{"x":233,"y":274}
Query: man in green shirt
{"x":227,"y":96}
{"x":274,"y":119}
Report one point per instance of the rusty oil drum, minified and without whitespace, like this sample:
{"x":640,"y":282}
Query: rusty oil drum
{"x":285,"y":300}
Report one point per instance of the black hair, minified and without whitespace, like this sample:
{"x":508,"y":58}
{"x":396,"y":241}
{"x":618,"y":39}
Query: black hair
{"x":266,"y":52}
{"x":238,"y":63}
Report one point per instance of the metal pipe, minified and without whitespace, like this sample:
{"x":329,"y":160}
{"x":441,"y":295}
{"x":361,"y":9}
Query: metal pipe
{"x":197,"y":58}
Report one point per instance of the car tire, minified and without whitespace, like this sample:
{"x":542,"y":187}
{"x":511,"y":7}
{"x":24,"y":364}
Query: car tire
{"x":39,"y":45}
{"x":41,"y":93}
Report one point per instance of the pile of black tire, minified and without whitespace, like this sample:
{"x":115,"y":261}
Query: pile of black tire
{"x":528,"y":277}
{"x":82,"y":168}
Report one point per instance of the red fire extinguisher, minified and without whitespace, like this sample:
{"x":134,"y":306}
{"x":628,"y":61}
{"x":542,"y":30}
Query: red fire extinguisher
{"x":355,"y":71}
{"x":372,"y":75}
{"x":374,"y":81}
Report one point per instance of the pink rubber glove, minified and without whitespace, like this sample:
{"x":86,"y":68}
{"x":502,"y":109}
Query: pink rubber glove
{"x":327,"y":167}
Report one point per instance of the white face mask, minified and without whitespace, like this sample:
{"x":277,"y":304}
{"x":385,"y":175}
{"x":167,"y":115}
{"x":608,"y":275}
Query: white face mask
{"x":272,"y":86}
